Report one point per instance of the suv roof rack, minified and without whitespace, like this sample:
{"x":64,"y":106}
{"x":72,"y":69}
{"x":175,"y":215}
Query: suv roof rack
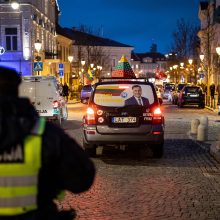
{"x":122,"y":79}
{"x":38,"y":78}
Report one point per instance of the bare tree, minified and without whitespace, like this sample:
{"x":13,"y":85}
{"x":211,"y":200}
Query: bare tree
{"x":185,"y":40}
{"x":207,"y":37}
{"x":88,"y":50}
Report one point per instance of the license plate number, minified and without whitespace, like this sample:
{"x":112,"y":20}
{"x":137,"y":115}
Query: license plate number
{"x":194,"y":95}
{"x":124,"y":119}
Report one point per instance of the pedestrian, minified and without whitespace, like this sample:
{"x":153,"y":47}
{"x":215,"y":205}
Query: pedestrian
{"x":38,"y":160}
{"x":212,"y":90}
{"x":212,"y":94}
{"x":66,"y":91}
{"x":218,"y":92}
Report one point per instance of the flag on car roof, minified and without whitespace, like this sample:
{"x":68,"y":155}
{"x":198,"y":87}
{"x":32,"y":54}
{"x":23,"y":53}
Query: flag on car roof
{"x":123,"y":69}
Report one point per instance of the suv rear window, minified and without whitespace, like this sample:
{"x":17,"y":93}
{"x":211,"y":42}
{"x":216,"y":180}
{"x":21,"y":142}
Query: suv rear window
{"x":193,"y":90}
{"x":115,"y":95}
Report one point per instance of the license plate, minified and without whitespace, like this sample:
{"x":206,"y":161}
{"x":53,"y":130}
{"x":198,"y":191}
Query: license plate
{"x":193,"y":95}
{"x":124,"y":119}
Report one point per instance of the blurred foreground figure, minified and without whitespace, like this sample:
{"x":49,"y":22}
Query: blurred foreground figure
{"x":37,"y":159}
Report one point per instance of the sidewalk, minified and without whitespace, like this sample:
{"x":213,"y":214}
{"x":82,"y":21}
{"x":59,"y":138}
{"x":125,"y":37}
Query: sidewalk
{"x":212,"y":144}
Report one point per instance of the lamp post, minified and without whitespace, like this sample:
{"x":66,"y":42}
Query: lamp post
{"x":38,"y":46}
{"x":190,"y":61}
{"x":70,"y":59}
{"x":83,"y":62}
{"x":175,"y":72}
{"x":99,"y":69}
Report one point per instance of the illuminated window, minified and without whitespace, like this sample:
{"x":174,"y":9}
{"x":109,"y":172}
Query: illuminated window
{"x":11,"y":39}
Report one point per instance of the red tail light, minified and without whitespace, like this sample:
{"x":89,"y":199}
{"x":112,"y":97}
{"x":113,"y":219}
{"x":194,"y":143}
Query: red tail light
{"x":90,"y":116}
{"x":55,"y":104}
{"x":157,"y":116}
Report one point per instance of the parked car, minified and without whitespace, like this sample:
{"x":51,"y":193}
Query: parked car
{"x":191,"y":95}
{"x":175,"y":93}
{"x":168,"y":88}
{"x":113,"y":117}
{"x":85,"y":93}
{"x":45,"y":93}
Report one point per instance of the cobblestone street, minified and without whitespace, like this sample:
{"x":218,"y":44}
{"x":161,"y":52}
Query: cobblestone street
{"x":184,"y":184}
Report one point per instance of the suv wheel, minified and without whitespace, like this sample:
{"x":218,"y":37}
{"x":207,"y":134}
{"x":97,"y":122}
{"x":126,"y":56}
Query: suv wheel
{"x":157,"y":150}
{"x":90,"y":149}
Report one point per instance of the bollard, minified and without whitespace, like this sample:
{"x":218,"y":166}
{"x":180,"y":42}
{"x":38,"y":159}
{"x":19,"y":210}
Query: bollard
{"x":205,"y":121}
{"x":194,"y":126}
{"x":202,"y":133}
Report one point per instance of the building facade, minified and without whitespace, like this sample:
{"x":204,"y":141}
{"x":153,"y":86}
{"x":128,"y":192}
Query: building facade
{"x":20,"y":28}
{"x":209,"y":34}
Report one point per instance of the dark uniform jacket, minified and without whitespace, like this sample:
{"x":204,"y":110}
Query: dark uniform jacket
{"x":65,"y":166}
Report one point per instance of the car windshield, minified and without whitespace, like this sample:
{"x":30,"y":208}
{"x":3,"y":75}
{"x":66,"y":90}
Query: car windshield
{"x":119,"y":95}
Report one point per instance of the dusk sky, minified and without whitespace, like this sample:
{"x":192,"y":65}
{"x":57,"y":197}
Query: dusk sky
{"x":138,"y":23}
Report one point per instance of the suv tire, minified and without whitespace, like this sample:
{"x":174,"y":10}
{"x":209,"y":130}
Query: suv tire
{"x":90,"y":149}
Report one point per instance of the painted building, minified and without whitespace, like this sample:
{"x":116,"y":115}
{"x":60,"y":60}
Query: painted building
{"x":209,"y":34}
{"x":21,"y":28}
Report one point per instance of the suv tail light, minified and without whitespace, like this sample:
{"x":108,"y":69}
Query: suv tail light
{"x":157,"y":116}
{"x":55,"y":104}
{"x":90,"y":116}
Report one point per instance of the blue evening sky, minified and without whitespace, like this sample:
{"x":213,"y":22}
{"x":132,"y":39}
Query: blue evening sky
{"x":138,"y":23}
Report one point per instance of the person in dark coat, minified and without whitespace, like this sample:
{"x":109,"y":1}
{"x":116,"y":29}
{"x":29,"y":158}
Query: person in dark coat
{"x":212,"y":90}
{"x":137,"y":99}
{"x":63,"y":164}
{"x":66,"y":91}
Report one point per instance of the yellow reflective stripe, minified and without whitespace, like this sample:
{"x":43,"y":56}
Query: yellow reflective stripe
{"x":17,"y":191}
{"x":17,"y":170}
{"x":7,"y":181}
{"x":33,"y":151}
{"x":20,"y":201}
{"x":17,"y":211}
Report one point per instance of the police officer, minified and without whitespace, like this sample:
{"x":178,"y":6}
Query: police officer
{"x":37,"y":159}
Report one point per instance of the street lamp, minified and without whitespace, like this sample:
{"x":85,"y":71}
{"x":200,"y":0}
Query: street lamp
{"x":202,"y":56}
{"x":218,"y":50}
{"x":190,"y":61}
{"x":15,"y":5}
{"x":83,"y":62}
{"x":37,"y":46}
{"x":70,"y":59}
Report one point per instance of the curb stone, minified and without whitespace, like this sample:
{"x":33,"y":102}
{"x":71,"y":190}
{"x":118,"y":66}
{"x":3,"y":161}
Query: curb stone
{"x":213,"y":148}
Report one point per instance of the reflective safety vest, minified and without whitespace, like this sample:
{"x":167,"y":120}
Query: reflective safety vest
{"x":19,"y":181}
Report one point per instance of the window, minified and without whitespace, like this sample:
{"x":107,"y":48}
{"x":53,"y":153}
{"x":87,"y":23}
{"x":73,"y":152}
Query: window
{"x":11,"y":39}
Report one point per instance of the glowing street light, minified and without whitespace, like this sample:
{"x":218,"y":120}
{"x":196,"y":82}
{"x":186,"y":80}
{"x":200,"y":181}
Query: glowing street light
{"x":15,"y":5}
{"x":202,"y":56}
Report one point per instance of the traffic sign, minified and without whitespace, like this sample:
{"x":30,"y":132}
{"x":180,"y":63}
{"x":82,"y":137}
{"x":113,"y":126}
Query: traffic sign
{"x":61,"y":73}
{"x":61,"y":70}
{"x":61,"y":66}
{"x":38,"y":66}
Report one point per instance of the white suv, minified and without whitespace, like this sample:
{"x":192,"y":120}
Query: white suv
{"x":45,"y":93}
